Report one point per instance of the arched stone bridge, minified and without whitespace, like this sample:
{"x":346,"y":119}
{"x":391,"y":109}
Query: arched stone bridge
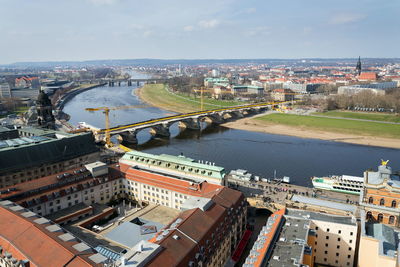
{"x":160,"y":127}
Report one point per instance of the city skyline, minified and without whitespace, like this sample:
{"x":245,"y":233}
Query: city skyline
{"x":115,"y":29}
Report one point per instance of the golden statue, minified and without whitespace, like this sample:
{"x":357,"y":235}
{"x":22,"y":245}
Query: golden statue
{"x":384,"y":162}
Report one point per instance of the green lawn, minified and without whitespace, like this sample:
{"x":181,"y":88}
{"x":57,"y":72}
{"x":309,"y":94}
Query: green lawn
{"x":157,"y":95}
{"x":360,"y":115}
{"x":334,"y":125}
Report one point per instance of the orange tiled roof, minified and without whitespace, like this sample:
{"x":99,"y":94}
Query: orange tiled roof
{"x":203,"y":189}
{"x":26,"y":239}
{"x":367,"y":76}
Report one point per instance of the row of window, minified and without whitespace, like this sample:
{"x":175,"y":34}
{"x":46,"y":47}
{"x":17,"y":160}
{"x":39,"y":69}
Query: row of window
{"x":182,"y":168}
{"x":328,"y":230}
{"x":382,"y":202}
{"x":380,"y":217}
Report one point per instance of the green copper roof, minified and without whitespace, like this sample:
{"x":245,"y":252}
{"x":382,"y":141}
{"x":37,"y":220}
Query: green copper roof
{"x":217,"y":172}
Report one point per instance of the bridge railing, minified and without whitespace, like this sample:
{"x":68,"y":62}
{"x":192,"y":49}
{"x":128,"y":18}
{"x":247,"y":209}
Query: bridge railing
{"x":183,"y":115}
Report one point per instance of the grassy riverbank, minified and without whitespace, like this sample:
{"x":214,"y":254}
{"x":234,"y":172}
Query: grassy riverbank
{"x":158,"y":95}
{"x":363,"y":128}
{"x":360,"y":115}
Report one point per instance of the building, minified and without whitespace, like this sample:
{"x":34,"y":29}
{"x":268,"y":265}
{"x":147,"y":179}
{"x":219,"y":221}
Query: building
{"x":304,"y":238}
{"x":63,"y":190}
{"x":358,"y":67}
{"x":27,"y":82}
{"x":40,"y":152}
{"x":206,"y":233}
{"x":367,"y":76}
{"x":377,"y":88}
{"x":5,"y":90}
{"x":303,"y":88}
{"x":180,"y":166}
{"x":380,"y":197}
{"x":247,"y":89}
{"x":209,"y":82}
{"x":210,"y":225}
{"x":45,"y":117}
{"x":379,"y":245}
{"x":282,"y":95}
{"x":29,"y":240}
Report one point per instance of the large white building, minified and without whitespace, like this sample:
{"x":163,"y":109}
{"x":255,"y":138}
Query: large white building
{"x":377,"y":88}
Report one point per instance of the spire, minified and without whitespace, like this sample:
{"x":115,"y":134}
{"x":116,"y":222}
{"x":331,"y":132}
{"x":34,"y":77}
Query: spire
{"x":358,"y":67}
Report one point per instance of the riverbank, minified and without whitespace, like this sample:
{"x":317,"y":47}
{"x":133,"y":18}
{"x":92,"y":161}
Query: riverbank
{"x":157,"y":95}
{"x":255,"y":125}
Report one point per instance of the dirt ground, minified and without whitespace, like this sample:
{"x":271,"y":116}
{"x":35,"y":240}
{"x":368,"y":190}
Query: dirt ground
{"x":250,"y":124}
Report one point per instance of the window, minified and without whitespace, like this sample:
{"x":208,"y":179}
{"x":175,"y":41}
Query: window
{"x":316,"y":228}
{"x":327,"y":237}
{"x":382,"y":202}
{"x":348,"y":256}
{"x":391,"y":219}
{"x":394,"y":204}
{"x":326,"y":252}
{"x":337,"y":246}
{"x":338,"y":239}
{"x":349,"y":248}
{"x":351,"y":233}
{"x":380,"y":217}
{"x":369,"y":215}
{"x":340,"y":231}
{"x":324,"y":259}
{"x":327,"y":229}
{"x":337,"y":254}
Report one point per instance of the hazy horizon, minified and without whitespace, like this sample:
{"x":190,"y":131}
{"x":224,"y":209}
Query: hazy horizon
{"x":87,"y":30}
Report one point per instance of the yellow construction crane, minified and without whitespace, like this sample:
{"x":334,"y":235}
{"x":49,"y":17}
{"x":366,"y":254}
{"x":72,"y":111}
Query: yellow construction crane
{"x":106,"y":111}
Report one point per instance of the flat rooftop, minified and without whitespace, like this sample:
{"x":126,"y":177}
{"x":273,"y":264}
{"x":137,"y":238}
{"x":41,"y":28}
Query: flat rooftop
{"x":295,"y":213}
{"x":324,"y":203}
{"x":291,"y":243}
{"x":388,"y":238}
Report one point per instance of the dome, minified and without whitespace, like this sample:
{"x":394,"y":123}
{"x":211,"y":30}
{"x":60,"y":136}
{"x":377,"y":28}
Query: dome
{"x":43,"y":99}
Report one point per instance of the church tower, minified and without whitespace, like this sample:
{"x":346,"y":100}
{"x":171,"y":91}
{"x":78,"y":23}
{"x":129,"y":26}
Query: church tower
{"x":44,"y":109}
{"x":358,"y":67}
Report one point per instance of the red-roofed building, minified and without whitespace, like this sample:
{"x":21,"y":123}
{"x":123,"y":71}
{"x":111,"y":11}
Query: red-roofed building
{"x":29,"y":240}
{"x":368,"y":76}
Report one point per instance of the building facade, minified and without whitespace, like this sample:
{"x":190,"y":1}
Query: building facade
{"x":38,"y":153}
{"x":296,"y":237}
{"x":380,"y":197}
{"x":181,"y":166}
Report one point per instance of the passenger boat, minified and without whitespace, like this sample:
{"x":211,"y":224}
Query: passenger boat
{"x":339,"y":183}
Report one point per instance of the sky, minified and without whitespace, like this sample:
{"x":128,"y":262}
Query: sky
{"x":76,"y":30}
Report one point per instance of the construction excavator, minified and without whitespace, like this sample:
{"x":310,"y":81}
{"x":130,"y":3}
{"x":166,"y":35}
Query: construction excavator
{"x":106,"y":111}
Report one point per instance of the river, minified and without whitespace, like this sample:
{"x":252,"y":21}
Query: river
{"x":259,"y":153}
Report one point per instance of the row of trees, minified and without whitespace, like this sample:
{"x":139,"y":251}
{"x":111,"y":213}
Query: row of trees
{"x":185,"y":84}
{"x":367,"y":99}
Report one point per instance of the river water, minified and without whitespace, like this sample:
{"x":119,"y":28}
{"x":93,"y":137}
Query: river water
{"x":259,"y":153}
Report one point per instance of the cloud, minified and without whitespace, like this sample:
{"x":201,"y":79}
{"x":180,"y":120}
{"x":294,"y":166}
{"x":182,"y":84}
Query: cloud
{"x":307,"y":30}
{"x":344,"y":18}
{"x":188,"y":28}
{"x":103,"y":2}
{"x":208,"y":24}
{"x":250,"y":10}
{"x":264,"y":30}
{"x":147,"y":33}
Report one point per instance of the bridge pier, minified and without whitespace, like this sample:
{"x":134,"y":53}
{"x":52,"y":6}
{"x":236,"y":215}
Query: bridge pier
{"x":160,"y":130}
{"x":190,"y":124}
{"x":216,"y":118}
{"x":128,"y":137}
{"x":237,"y":114}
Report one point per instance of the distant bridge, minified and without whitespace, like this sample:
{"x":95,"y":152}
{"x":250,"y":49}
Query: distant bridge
{"x":160,"y":127}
